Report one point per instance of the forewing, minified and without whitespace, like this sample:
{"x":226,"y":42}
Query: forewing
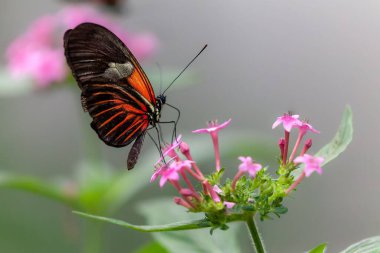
{"x":97,"y":56}
{"x":135,"y":151}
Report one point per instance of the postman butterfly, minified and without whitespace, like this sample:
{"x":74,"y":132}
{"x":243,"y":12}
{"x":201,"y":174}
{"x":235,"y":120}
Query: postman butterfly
{"x":115,"y":90}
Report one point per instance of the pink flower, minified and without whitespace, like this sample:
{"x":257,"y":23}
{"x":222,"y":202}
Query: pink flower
{"x":182,"y":165}
{"x":312,"y":163}
{"x":142,"y":45}
{"x":169,"y":150}
{"x":184,"y":148}
{"x":304,"y":127}
{"x":169,"y":174}
{"x":211,"y":191}
{"x":217,"y":189}
{"x":228,"y":204}
{"x":38,"y":53}
{"x":171,"y":171}
{"x":213,"y":129}
{"x":247,"y":165}
{"x":158,"y":171}
{"x":288,"y":121}
{"x":32,"y":54}
{"x":48,"y":66}
{"x":182,"y":202}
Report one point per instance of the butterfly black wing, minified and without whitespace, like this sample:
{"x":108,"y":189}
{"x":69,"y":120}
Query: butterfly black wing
{"x":115,"y":89}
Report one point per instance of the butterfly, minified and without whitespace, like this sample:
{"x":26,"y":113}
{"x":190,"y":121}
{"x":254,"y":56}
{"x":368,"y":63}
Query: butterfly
{"x":115,"y":90}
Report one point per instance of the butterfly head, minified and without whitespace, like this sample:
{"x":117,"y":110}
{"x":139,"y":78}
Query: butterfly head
{"x":160,"y":101}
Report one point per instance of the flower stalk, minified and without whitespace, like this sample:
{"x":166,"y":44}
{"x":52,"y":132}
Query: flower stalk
{"x":255,"y":235}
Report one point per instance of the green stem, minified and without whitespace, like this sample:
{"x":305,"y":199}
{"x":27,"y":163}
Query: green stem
{"x":256,"y":239}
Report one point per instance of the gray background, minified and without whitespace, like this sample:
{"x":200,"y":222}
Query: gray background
{"x":264,"y":58}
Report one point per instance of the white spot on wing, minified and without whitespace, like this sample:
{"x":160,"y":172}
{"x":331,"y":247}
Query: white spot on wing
{"x":117,"y":71}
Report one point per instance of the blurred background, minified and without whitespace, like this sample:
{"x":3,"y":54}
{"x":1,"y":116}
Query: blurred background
{"x":264,"y":58}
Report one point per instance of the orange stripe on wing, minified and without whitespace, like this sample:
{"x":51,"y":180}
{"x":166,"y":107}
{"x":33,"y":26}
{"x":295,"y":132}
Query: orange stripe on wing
{"x":128,"y":96}
{"x":120,"y":124}
{"x":126,"y":107}
{"x":107,"y":110}
{"x":134,"y":131}
{"x":110,"y":119}
{"x":135,"y":122}
{"x":116,"y":101}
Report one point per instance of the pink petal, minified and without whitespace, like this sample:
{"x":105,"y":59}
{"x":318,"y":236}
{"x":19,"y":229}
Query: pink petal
{"x":217,"y":189}
{"x":276,"y":123}
{"x":229,"y":205}
{"x":163,"y":181}
{"x":299,"y":159}
{"x":213,"y":128}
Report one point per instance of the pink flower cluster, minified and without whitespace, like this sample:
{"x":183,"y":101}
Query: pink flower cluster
{"x":38,"y":53}
{"x":176,"y":168}
{"x":311,"y":163}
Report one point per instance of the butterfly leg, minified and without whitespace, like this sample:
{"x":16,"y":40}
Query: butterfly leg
{"x":175,"y":122}
{"x":158,"y":146}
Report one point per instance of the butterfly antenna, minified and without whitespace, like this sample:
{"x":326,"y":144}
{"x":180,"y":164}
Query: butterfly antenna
{"x":183,"y":70}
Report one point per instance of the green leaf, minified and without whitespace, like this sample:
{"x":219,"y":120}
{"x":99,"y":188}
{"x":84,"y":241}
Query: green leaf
{"x":281,"y":210}
{"x":319,"y":249}
{"x":369,"y":245}
{"x":341,"y":140}
{"x":154,"y":247}
{"x":126,"y":184}
{"x":33,"y":185}
{"x":200,"y":241}
{"x":182,"y":225}
{"x":339,"y":143}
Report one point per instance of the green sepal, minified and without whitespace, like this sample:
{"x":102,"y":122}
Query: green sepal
{"x":215,"y":177}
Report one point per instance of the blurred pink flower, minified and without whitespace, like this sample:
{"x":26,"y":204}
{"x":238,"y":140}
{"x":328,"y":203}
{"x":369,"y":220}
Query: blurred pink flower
{"x":247,"y":165}
{"x":228,"y":204}
{"x":312,"y":163}
{"x":38,"y":53}
{"x":32,"y":55}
